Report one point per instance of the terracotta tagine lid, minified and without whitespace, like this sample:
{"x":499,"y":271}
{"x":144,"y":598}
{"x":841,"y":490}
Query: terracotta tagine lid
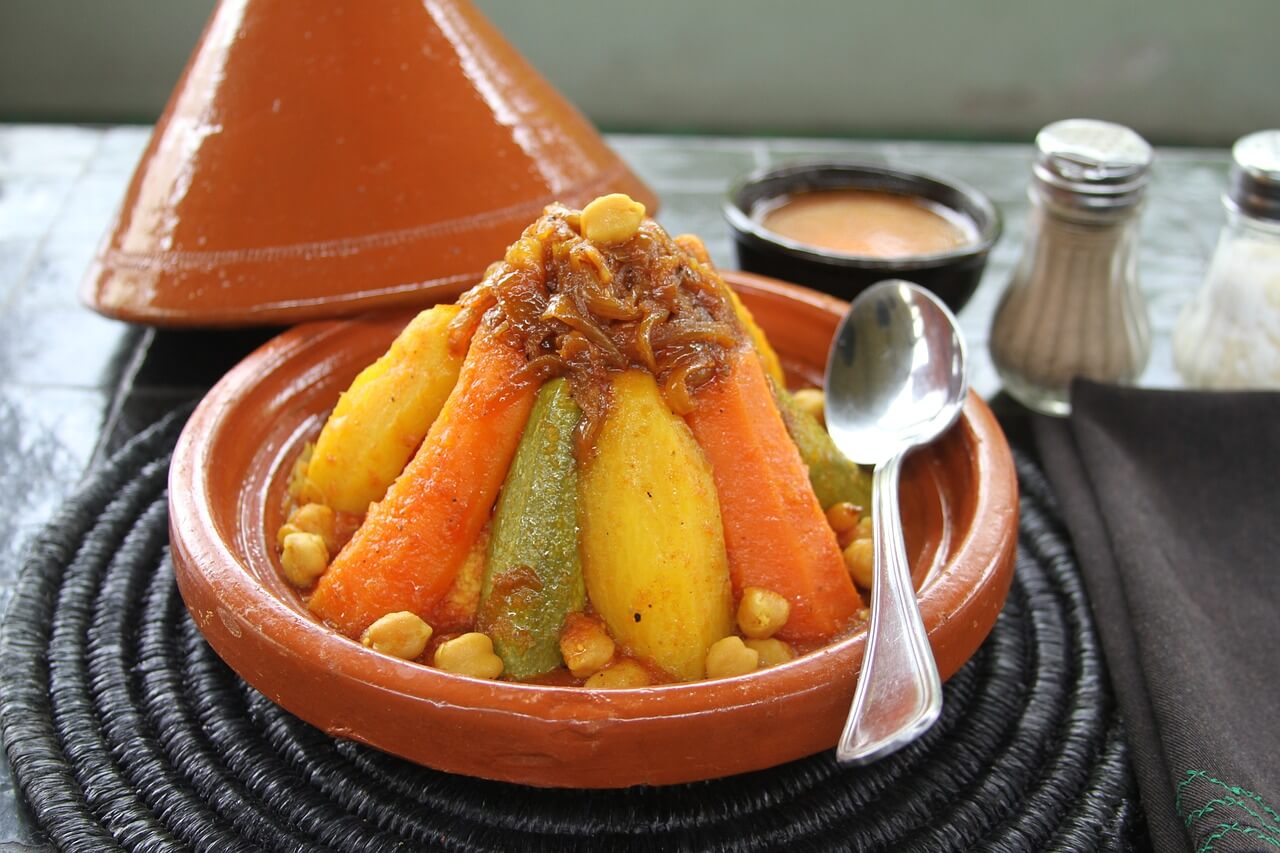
{"x":317,"y":160}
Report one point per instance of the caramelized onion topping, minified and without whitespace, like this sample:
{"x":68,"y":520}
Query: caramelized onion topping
{"x":583,"y":310}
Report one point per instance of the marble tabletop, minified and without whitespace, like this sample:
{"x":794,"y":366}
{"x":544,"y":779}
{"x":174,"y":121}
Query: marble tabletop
{"x":72,"y":382}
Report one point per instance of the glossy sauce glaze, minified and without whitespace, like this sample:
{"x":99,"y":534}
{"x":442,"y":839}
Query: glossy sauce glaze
{"x":866,"y":222}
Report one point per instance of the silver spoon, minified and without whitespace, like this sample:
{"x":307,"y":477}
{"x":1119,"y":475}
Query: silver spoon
{"x":895,"y":381}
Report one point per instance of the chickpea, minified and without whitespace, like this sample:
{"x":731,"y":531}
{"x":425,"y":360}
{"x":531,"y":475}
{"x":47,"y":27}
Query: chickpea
{"x":469,"y":654}
{"x":813,"y":401}
{"x":772,"y":651}
{"x":304,"y":558}
{"x":858,"y":559}
{"x":762,"y":612}
{"x":319,"y":519}
{"x":284,"y":531}
{"x":861,"y":528}
{"x":612,"y":218}
{"x":401,"y":635}
{"x":585,"y":645}
{"x":623,"y":674}
{"x":729,"y":657}
{"x":843,"y":516}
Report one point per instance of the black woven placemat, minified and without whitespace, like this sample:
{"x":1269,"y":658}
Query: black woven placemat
{"x":124,"y":730}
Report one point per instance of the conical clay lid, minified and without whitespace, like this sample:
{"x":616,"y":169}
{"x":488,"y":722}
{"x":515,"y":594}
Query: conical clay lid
{"x":324,"y":159}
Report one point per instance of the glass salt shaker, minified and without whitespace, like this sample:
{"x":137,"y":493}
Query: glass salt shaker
{"x":1228,"y":336}
{"x":1073,"y":307}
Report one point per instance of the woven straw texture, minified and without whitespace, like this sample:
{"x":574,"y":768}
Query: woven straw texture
{"x":125,"y":731}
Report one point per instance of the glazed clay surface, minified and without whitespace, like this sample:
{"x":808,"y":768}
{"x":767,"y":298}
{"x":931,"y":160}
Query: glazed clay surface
{"x":317,"y":161}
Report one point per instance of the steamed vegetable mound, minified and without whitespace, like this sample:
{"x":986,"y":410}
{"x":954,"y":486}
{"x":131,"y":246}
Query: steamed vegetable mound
{"x":588,"y":471}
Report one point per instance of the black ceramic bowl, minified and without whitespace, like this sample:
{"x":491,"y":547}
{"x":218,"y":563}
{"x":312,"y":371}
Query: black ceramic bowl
{"x":952,"y":275}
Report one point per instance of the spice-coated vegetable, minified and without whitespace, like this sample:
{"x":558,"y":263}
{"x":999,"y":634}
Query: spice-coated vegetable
{"x":652,"y":548}
{"x":381,"y":419}
{"x":407,"y":552}
{"x":768,"y":507}
{"x":534,"y":577}
{"x":834,"y":478}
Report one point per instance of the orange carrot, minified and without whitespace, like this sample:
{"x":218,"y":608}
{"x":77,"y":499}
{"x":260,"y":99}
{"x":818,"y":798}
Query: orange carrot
{"x":409,"y":550}
{"x":775,"y":532}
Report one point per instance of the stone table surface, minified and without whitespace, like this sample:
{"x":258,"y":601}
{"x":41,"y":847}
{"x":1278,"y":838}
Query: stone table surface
{"x":73,"y":383}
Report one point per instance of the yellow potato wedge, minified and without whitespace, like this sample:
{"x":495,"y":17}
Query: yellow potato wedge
{"x":381,"y":419}
{"x":651,"y":540}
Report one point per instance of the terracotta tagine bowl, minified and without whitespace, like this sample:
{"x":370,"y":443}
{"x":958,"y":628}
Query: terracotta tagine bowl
{"x":321,"y":159}
{"x":226,"y":489}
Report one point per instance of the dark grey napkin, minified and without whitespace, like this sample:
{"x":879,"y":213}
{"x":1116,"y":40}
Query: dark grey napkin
{"x":1172,"y":499}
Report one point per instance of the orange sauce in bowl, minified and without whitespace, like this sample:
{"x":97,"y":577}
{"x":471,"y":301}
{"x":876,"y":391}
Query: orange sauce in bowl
{"x":867,"y":222}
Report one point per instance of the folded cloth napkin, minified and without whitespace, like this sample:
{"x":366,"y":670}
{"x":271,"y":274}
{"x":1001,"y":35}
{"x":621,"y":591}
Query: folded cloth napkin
{"x":1172,"y":500}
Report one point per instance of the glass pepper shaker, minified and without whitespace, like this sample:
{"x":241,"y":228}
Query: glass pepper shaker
{"x":1073,"y":307}
{"x":1228,"y":336}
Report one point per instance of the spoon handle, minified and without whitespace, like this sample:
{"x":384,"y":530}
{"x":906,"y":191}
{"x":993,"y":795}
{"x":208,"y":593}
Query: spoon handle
{"x":899,"y":693}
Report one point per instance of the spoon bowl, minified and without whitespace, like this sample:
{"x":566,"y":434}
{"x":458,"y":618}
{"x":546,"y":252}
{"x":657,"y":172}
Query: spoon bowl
{"x":896,"y":376}
{"x":895,"y":380}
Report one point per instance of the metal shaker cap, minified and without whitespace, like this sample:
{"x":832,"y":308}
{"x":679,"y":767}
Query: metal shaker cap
{"x":1092,"y":165}
{"x":1254,"y":188}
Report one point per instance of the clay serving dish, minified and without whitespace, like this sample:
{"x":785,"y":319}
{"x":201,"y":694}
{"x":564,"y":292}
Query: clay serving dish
{"x":226,"y":490}
{"x":319,"y":160}
{"x":953,"y":275}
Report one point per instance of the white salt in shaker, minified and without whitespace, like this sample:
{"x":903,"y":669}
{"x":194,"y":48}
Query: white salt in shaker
{"x":1073,"y":307}
{"x":1229,"y":335}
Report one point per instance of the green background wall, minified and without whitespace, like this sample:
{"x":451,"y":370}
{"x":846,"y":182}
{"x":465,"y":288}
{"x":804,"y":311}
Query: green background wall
{"x":1180,"y":71}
